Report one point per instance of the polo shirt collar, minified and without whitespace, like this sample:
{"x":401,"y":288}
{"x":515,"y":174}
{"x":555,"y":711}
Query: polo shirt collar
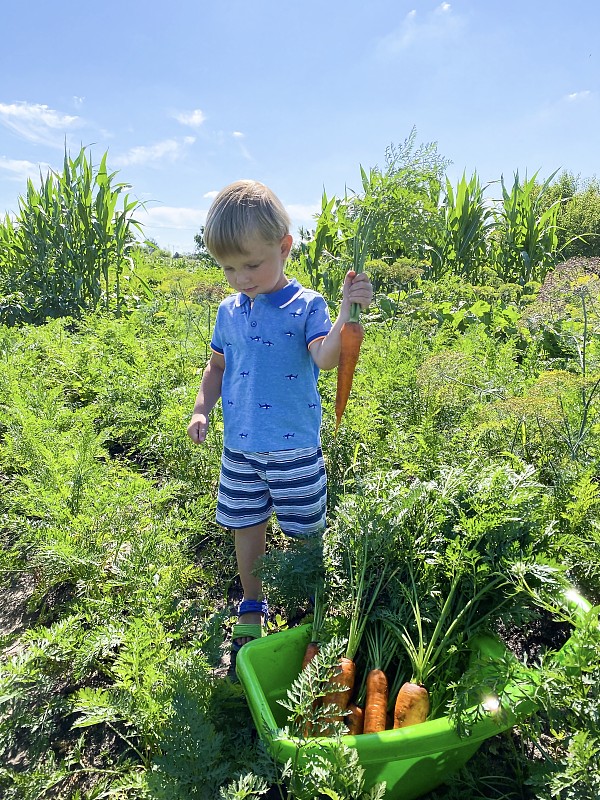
{"x":280,"y":298}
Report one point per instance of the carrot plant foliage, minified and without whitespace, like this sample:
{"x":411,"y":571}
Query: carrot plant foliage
{"x":463,"y":494}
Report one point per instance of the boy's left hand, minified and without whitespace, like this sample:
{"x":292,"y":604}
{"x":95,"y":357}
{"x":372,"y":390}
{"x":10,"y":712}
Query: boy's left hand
{"x":357,"y":289}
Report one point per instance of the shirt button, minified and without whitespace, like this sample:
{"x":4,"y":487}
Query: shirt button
{"x":253,"y":323}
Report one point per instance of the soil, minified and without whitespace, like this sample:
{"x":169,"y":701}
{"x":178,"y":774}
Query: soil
{"x":542,"y":634}
{"x":14,"y":616}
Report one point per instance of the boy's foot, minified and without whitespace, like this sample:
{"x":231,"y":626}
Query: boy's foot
{"x":248,"y":627}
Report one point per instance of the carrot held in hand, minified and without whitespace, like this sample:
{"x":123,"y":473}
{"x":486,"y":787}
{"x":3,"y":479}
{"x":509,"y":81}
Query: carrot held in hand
{"x":352,"y":335}
{"x":352,"y":332}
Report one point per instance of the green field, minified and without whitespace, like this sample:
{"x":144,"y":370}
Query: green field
{"x":469,"y":452}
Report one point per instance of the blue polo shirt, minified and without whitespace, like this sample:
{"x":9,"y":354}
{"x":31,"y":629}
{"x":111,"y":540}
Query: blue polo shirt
{"x":269,"y":391}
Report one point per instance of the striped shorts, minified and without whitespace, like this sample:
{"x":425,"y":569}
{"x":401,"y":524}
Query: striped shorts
{"x":291,"y":483}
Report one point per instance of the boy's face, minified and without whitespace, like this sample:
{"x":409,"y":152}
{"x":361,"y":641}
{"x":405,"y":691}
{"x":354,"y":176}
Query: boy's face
{"x":260,"y":269}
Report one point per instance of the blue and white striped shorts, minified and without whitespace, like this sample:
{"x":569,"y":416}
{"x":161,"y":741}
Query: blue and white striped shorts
{"x":292,"y":483}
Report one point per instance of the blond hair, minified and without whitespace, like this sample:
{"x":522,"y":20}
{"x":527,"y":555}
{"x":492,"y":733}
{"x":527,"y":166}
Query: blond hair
{"x":241,"y":211}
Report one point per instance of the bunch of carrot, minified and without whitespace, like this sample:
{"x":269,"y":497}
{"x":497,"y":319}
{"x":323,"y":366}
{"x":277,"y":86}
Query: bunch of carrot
{"x":366,"y":586}
{"x":371,"y":710}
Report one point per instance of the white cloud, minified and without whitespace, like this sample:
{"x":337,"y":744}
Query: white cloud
{"x":576,"y":97}
{"x":238,"y":135}
{"x":172,"y":227}
{"x":303,"y":216}
{"x":211,"y":195}
{"x":37,"y":123}
{"x":22,"y":170}
{"x":415,"y":29}
{"x":193,"y":119}
{"x":173,"y":218}
{"x":168,"y":150}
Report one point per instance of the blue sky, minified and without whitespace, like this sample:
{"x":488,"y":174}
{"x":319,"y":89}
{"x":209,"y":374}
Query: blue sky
{"x":189,"y":96}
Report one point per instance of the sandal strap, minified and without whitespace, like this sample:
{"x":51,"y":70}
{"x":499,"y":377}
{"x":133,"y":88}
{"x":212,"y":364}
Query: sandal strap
{"x":254,"y":607}
{"x":247,"y":630}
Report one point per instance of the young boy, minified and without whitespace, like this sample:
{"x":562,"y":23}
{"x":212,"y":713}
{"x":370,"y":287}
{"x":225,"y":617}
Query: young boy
{"x":269,"y":342}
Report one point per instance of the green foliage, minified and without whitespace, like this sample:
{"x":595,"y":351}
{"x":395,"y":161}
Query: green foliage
{"x":470,"y":450}
{"x":462,"y":242}
{"x":335,"y":774}
{"x":578,"y":216}
{"x":67,"y":248}
{"x":527,"y":240}
{"x":291,"y":572}
{"x":248,"y":785}
{"x":403,"y":197}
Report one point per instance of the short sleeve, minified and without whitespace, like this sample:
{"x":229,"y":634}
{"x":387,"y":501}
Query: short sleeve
{"x":216,"y":343}
{"x":318,"y":323}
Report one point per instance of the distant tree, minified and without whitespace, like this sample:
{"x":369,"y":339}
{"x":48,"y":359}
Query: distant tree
{"x":578,"y":215}
{"x":199,"y":245}
{"x":200,"y":251}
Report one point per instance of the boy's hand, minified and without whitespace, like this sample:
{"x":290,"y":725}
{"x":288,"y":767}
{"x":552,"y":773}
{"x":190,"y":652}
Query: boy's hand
{"x":357,"y":289}
{"x":197,"y":428}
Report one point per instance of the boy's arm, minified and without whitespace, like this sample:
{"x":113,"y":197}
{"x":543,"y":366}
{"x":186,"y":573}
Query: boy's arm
{"x":357,"y":289}
{"x":206,"y":399}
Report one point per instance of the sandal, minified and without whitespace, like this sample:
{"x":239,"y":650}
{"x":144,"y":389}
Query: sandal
{"x":246,"y":630}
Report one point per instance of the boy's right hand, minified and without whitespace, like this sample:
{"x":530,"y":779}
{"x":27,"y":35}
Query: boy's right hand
{"x":198,"y":428}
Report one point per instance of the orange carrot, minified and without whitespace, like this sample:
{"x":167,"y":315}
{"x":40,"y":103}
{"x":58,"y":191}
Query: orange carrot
{"x":344,"y":678}
{"x":352,"y":332}
{"x":376,"y":701}
{"x":351,"y":335}
{"x":355,"y":719}
{"x":412,"y":705}
{"x":312,"y":649}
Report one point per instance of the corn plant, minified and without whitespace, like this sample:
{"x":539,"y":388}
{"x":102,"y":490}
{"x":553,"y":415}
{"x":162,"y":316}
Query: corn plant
{"x":66,"y":249}
{"x":324,"y":238}
{"x":462,"y":239}
{"x":527,"y":245}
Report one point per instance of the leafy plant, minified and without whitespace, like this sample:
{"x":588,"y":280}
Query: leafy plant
{"x":67,"y":248}
{"x":462,"y":244}
{"x":527,"y":242}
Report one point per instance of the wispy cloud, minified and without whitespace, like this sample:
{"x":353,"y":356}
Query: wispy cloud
{"x":20,"y":171}
{"x":194,"y":119}
{"x":37,"y":123}
{"x":239,"y":137}
{"x":578,"y":97}
{"x":168,"y":150}
{"x":211,"y":195}
{"x":417,"y":30}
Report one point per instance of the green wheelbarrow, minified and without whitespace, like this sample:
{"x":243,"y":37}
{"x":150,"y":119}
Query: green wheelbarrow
{"x":413,"y":760}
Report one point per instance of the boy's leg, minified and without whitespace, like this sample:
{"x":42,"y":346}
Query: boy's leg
{"x":250,"y":545}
